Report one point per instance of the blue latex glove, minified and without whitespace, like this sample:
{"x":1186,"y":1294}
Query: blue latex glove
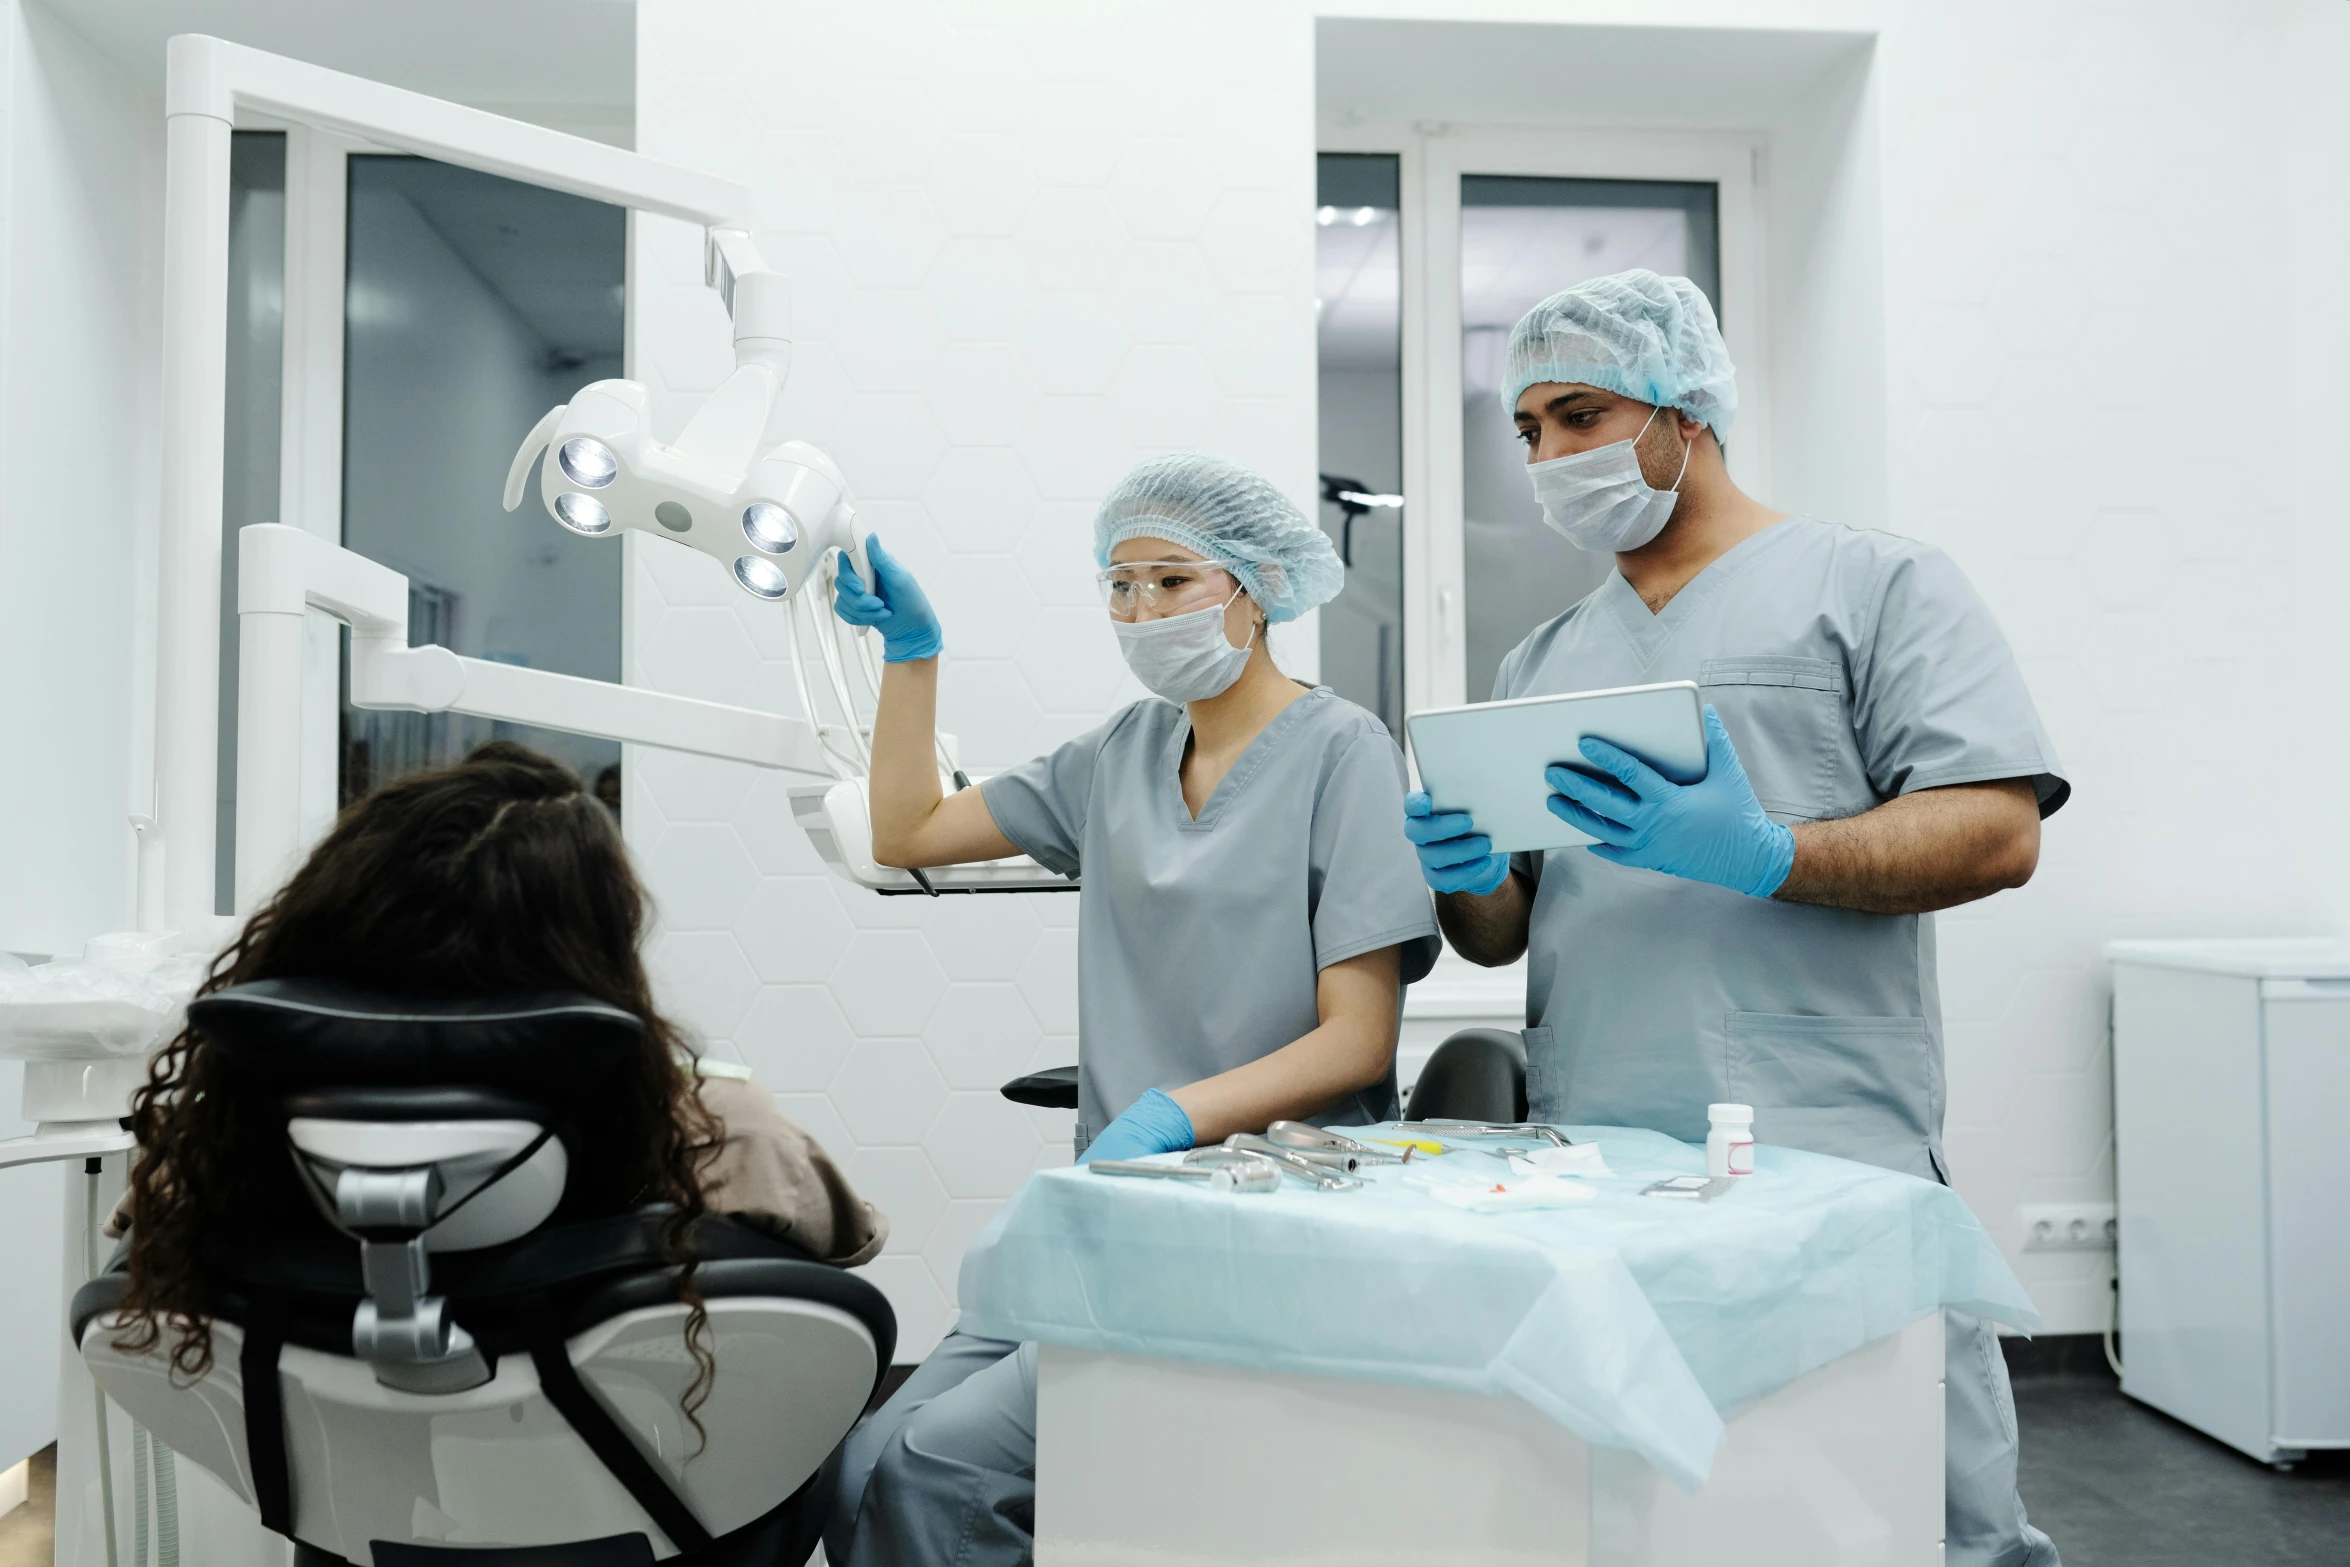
{"x":1152,"y":1124}
{"x":1454,"y":855}
{"x":1712,"y":830}
{"x":896,"y":606}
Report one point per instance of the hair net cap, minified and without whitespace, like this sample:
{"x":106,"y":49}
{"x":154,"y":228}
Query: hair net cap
{"x":1225,"y":512}
{"x":1632,"y":333}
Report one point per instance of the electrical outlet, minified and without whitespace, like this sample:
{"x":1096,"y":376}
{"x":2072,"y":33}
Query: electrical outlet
{"x":2068,"y":1226}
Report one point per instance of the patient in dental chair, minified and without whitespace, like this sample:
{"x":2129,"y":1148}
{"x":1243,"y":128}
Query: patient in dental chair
{"x":500,"y":875}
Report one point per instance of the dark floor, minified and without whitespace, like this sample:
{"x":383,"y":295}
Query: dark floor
{"x":2112,"y":1482}
{"x":2116,"y":1484}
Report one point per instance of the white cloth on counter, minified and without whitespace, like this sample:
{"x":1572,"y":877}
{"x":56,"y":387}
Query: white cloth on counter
{"x":1514,"y":1194}
{"x":1634,"y":1323}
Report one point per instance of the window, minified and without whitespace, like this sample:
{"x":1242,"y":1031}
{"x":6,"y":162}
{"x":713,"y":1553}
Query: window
{"x":1484,"y":224}
{"x":472,"y":305}
{"x":1523,"y":239}
{"x":463,"y":307}
{"x":1359,"y":328}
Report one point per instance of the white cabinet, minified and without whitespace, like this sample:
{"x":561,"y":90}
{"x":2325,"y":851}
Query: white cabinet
{"x":2231,"y":1092}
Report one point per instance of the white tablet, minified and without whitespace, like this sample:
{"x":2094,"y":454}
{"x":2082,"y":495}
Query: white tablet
{"x":1488,"y":758}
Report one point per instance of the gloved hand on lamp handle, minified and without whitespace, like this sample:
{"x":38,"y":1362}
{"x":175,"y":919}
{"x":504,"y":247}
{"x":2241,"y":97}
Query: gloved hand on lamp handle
{"x":1712,"y":830}
{"x":1454,"y":855}
{"x":895,"y":605}
{"x":1152,"y":1124}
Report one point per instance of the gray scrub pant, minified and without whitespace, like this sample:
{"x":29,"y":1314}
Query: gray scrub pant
{"x":945,"y":1472}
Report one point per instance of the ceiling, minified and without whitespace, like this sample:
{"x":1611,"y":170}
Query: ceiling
{"x":569,"y":64}
{"x":559,"y":260}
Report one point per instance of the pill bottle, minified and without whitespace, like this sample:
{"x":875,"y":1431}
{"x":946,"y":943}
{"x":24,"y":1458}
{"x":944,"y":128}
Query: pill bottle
{"x":1729,"y":1147}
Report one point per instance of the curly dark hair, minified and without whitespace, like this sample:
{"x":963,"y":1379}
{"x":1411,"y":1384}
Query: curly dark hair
{"x":497,"y":876}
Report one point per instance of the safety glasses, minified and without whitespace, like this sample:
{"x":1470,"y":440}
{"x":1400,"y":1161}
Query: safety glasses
{"x":1164,"y":587}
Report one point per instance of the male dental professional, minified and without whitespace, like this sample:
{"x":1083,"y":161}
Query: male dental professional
{"x":1764,"y":935}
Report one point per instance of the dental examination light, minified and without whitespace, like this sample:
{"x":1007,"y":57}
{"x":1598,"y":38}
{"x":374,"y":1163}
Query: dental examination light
{"x":732,"y":485}
{"x":777,"y":513}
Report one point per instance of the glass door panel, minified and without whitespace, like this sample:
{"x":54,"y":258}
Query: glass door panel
{"x":1359,"y":328}
{"x":1523,"y":238}
{"x":472,"y":305}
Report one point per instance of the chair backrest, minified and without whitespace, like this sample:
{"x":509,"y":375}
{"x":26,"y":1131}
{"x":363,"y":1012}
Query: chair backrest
{"x":1477,"y":1074}
{"x":453,"y":1371}
{"x":501,"y":1463}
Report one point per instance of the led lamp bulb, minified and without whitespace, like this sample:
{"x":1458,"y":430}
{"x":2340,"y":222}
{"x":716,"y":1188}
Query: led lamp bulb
{"x":769,"y":527}
{"x":587,"y":462}
{"x":761,"y":576}
{"x":582,"y":514}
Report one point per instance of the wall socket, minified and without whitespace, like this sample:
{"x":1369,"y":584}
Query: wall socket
{"x":2068,"y":1226}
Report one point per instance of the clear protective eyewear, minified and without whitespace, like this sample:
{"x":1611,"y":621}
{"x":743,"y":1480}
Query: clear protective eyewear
{"x":1164,"y":587}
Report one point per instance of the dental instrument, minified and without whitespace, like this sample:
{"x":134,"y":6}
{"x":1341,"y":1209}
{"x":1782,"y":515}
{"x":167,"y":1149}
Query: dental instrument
{"x":1288,"y":1161}
{"x":1442,"y":1128}
{"x":1305,"y":1137}
{"x":1254,"y":1175}
{"x":1337,"y":1159}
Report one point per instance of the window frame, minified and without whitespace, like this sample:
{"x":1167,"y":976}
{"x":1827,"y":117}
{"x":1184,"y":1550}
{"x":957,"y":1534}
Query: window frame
{"x":1433,"y":160}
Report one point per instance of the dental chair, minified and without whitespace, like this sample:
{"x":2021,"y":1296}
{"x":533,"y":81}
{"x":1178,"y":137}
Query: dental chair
{"x":1477,"y":1074}
{"x":436,"y":1373}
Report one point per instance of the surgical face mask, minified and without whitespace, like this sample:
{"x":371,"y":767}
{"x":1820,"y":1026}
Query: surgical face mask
{"x":1184,"y":658}
{"x":1600,"y":500}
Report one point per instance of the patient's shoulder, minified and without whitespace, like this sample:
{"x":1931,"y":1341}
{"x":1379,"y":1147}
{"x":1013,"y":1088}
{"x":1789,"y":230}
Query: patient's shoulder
{"x":769,"y":1171}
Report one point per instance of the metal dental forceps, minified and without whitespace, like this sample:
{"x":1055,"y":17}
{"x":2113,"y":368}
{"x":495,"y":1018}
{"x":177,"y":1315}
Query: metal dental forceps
{"x":1246,"y":1147}
{"x":1325,"y":1158}
{"x":1300,"y":1137}
{"x":1250,"y":1175}
{"x":1465,"y":1129}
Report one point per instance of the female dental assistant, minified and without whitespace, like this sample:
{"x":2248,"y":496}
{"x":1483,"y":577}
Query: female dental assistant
{"x":1249,"y":920}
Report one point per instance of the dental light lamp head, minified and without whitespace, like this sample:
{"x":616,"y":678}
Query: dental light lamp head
{"x":768,"y":508}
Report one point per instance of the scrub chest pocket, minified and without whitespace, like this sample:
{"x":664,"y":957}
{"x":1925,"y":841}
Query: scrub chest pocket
{"x":1787,"y":718}
{"x":1866,"y":1088}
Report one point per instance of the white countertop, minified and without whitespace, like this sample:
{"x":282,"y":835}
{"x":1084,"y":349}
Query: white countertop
{"x":2258,"y":957}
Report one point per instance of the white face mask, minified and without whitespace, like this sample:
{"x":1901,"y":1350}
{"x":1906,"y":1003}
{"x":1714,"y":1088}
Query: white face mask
{"x":1184,"y":658}
{"x":1600,"y":500}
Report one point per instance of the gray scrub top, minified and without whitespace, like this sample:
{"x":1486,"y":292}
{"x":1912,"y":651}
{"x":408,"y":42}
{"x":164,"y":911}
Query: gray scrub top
{"x":1199,"y":942}
{"x":1849,"y":666}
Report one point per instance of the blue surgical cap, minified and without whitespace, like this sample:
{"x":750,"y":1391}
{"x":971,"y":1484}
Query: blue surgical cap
{"x":1634,"y":333}
{"x":1225,"y":512}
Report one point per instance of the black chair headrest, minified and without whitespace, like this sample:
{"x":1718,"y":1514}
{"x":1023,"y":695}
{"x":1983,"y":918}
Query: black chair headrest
{"x":448,"y":1103}
{"x":307,"y":1034}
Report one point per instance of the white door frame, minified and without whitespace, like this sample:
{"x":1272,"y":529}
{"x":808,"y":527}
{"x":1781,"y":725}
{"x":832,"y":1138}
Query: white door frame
{"x":1433,"y":159}
{"x":212,"y":88}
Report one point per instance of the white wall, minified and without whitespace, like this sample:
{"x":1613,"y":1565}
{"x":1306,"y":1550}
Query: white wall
{"x":79,"y":183}
{"x":2092,"y":320}
{"x":79,"y":281}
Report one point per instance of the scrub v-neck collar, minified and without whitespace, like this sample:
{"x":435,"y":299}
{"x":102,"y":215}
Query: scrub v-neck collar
{"x":1649,"y":632}
{"x":1244,"y":767}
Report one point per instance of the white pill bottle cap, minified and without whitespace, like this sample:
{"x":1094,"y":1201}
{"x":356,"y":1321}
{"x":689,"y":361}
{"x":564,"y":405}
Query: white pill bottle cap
{"x":1730,"y":1115}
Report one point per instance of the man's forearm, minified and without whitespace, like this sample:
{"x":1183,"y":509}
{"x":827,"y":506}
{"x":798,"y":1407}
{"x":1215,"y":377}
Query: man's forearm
{"x":1934,"y":849}
{"x":1488,"y":929}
